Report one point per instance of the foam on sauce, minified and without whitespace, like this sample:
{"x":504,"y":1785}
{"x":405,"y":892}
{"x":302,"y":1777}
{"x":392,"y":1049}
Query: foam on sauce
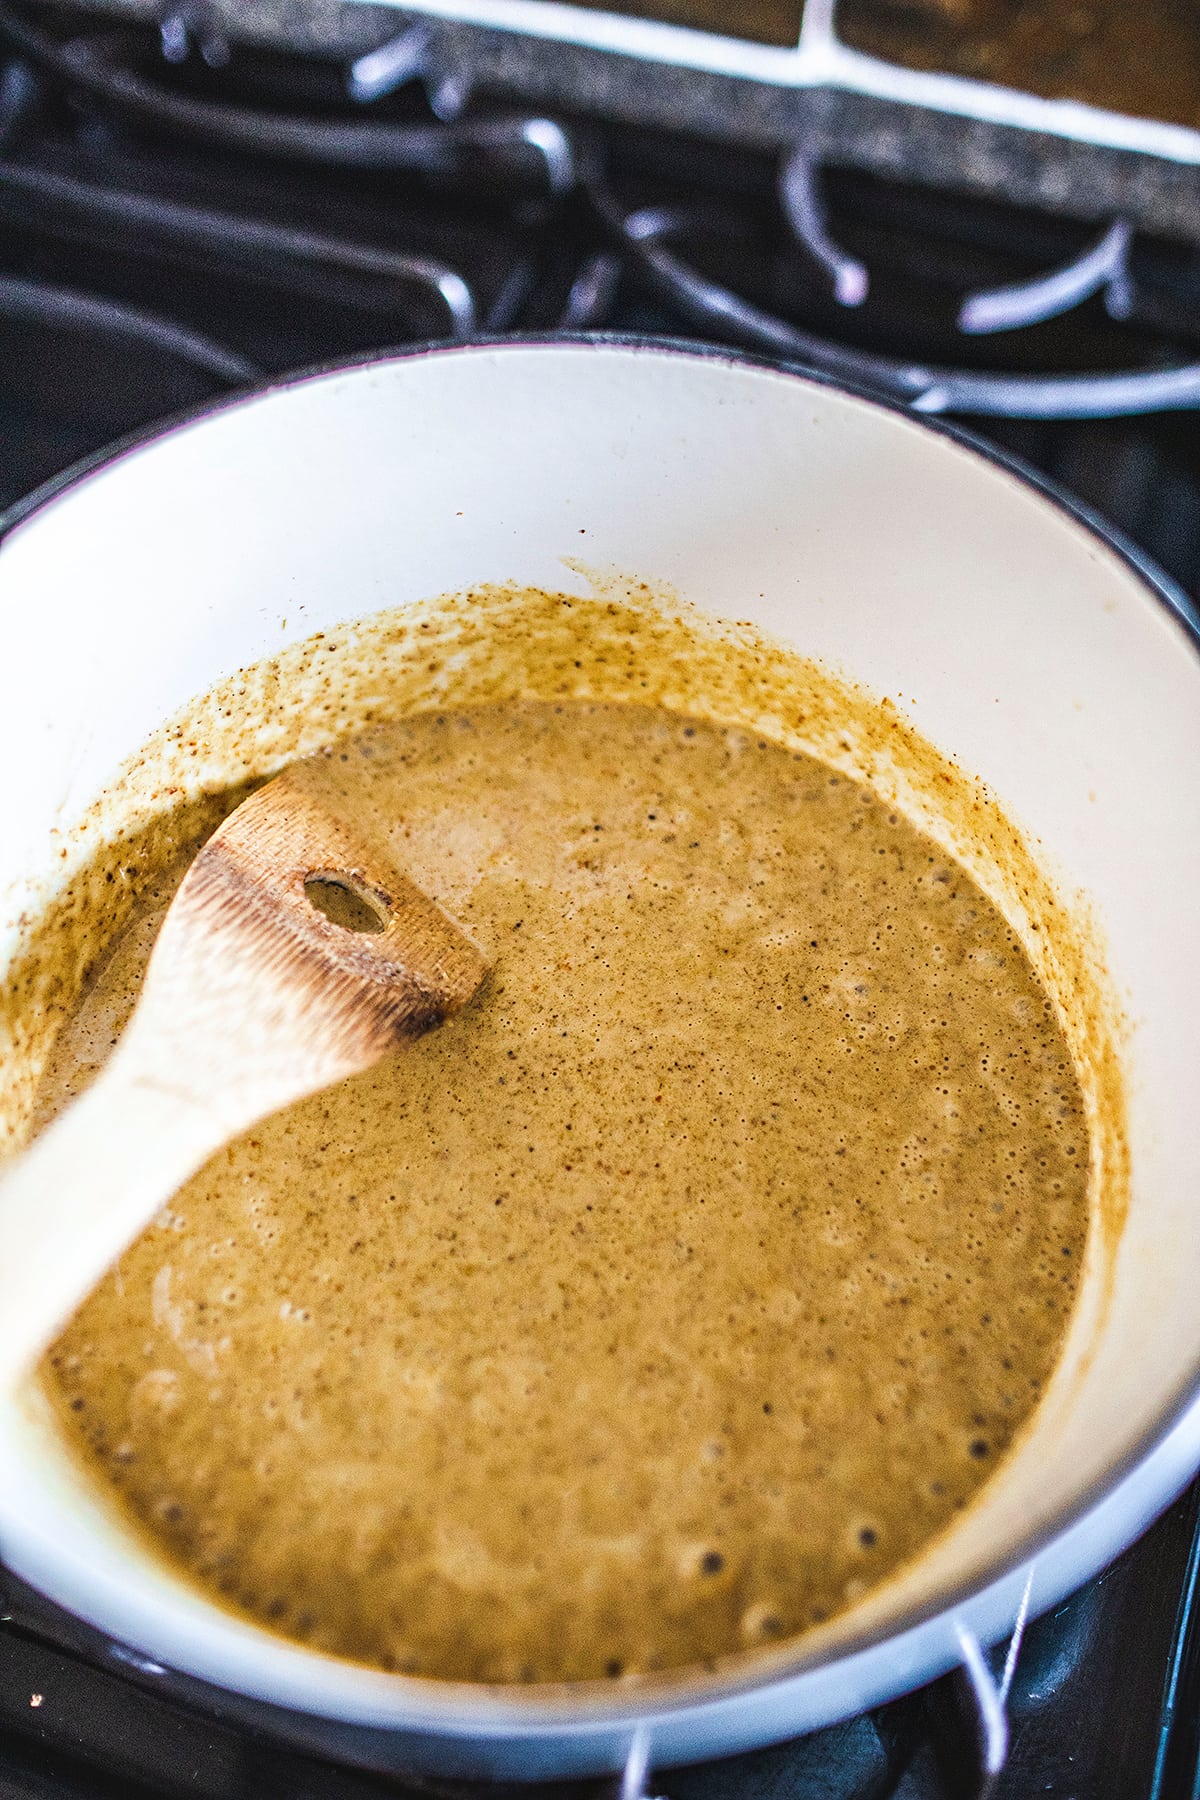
{"x":676,"y":1293}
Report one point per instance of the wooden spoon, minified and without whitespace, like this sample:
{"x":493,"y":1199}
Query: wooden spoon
{"x":292,"y":956}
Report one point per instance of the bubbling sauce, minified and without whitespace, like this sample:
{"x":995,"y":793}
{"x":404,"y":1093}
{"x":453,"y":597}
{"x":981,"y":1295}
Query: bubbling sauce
{"x":674,"y":1294}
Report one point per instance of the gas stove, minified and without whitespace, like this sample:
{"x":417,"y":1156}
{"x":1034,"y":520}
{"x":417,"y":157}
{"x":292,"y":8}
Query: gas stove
{"x":182,"y":216}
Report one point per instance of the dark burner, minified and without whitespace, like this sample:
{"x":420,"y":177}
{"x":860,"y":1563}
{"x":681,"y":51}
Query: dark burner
{"x":181,"y":219}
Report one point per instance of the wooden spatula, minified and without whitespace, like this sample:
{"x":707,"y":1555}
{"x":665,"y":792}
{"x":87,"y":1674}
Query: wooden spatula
{"x":292,"y":956}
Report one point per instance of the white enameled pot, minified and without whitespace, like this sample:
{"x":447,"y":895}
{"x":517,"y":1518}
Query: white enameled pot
{"x":1024,"y":642}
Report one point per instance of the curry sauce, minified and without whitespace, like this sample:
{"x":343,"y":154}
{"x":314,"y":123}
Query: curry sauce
{"x":674,"y":1294}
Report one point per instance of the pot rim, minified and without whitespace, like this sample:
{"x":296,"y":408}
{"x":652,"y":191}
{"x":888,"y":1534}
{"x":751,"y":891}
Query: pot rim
{"x":450,"y":1708}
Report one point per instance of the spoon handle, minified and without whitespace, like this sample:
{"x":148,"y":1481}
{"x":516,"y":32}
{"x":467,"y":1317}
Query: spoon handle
{"x":72,"y":1203}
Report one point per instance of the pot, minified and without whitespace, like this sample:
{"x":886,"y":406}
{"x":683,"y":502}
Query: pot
{"x":1021,"y":638}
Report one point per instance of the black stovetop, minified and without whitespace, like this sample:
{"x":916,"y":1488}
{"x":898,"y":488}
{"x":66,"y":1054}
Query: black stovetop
{"x":177,"y":222}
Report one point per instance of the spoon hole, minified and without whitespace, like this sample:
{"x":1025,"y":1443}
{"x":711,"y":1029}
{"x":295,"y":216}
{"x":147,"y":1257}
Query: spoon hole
{"x":344,"y":902}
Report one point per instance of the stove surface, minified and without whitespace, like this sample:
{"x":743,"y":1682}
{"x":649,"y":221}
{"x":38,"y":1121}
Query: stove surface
{"x":180,"y":219}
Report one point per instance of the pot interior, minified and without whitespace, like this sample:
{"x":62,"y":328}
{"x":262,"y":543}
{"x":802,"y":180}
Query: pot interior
{"x":1010,"y":636}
